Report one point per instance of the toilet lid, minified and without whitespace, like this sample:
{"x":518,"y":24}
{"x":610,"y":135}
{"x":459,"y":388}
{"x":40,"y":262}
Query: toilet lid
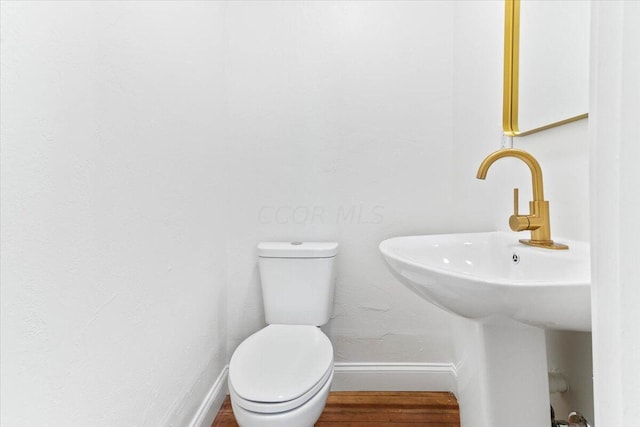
{"x":280,"y":363}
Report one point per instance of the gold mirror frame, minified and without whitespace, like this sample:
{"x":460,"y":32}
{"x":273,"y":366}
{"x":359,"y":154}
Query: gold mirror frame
{"x":511,"y":80}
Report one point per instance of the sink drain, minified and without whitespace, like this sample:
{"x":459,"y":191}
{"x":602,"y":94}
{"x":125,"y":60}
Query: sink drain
{"x":515,"y":258}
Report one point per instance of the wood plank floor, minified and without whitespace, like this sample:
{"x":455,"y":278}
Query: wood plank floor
{"x":376,"y":408}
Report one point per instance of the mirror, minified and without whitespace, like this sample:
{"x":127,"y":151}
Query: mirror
{"x":546,"y":68}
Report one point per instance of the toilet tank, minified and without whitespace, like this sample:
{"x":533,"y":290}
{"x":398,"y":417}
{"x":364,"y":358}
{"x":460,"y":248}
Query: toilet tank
{"x":298,"y":281}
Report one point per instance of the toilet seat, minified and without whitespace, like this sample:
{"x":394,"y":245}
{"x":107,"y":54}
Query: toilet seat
{"x":280,"y":367}
{"x":272,"y":408}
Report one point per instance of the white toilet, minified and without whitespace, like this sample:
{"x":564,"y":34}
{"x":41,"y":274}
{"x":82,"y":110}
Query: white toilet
{"x":281,"y":375}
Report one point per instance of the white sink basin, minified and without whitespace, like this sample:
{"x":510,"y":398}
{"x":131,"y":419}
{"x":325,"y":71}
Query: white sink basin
{"x":482,"y":275}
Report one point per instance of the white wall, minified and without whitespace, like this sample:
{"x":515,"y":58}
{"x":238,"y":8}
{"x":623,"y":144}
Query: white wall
{"x":477,"y":116}
{"x":149,"y":149}
{"x":113,"y":191}
{"x":615,"y":103}
{"x":339,"y":108}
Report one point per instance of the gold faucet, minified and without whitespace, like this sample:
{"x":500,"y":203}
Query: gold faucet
{"x":538,"y":219}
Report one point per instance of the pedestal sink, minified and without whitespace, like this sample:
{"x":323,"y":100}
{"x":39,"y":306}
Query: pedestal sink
{"x":512,"y":292}
{"x":479,"y":275}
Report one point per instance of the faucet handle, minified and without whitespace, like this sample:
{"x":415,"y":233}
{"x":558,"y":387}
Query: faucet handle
{"x":517,"y":222}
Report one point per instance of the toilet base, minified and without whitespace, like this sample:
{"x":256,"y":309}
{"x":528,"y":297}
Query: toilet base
{"x":302,"y":416}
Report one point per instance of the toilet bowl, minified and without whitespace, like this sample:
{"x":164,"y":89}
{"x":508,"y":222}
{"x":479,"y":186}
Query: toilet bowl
{"x":281,"y":375}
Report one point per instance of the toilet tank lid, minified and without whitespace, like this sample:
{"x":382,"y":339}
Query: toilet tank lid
{"x":297,"y":249}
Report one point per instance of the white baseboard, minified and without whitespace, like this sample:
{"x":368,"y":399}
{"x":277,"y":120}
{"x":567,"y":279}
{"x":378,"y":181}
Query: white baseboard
{"x":209,"y":408}
{"x":353,"y":377}
{"x":395,"y":377}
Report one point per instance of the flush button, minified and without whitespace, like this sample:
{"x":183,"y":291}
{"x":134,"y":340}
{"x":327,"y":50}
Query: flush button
{"x":296,"y":243}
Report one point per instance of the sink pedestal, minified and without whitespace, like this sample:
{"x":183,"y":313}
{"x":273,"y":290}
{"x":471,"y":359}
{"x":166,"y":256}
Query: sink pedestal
{"x":502,"y":374}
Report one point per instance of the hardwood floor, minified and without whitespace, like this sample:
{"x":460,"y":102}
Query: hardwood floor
{"x":376,"y":408}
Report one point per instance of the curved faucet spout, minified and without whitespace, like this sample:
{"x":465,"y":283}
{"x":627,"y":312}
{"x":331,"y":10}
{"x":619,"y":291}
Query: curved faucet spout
{"x":534,"y":166}
{"x":538,"y":219}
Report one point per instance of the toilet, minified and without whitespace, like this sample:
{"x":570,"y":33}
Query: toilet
{"x":281,"y":375}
